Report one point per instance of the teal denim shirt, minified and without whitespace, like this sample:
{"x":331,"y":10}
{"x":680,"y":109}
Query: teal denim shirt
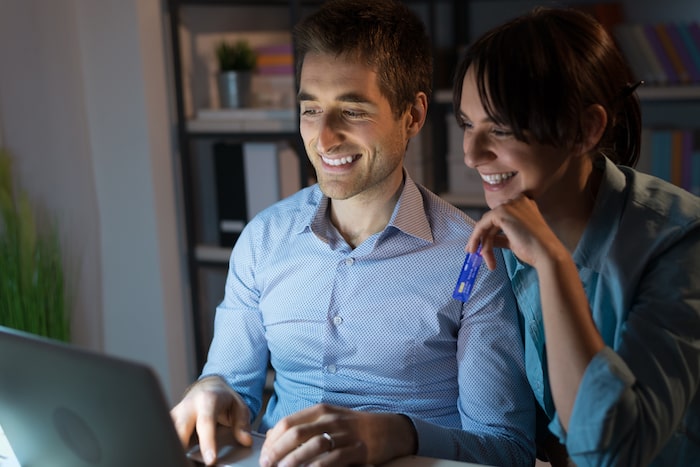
{"x":639,"y":262}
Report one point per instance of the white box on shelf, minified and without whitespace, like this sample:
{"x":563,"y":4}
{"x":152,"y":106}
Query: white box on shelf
{"x":243,"y":120}
{"x":261,"y":165}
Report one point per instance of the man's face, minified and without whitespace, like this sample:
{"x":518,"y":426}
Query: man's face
{"x":351,"y":135}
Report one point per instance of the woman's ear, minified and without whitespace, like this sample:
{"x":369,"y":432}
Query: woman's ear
{"x":595,"y":120}
{"x":415,"y":117}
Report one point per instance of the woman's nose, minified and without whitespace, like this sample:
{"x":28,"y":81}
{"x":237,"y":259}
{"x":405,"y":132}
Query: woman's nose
{"x":475,"y":150}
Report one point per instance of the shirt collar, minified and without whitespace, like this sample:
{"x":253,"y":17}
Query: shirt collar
{"x":602,"y":226}
{"x":409,"y":214}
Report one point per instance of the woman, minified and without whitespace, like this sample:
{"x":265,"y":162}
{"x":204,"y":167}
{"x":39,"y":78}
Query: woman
{"x":604,"y":260}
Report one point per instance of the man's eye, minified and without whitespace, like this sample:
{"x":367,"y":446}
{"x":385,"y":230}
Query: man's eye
{"x":354,"y":113}
{"x":309,"y":111}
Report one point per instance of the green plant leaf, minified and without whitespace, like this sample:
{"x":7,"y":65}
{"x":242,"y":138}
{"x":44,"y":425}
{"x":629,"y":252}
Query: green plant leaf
{"x":32,"y":284}
{"x":235,"y":56}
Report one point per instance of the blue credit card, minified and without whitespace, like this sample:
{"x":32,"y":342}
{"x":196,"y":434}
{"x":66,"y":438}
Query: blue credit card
{"x":467,"y":276}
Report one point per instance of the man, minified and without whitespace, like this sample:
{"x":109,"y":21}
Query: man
{"x":346,"y":286}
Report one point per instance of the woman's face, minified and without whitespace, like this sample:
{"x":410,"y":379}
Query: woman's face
{"x":508,"y":167}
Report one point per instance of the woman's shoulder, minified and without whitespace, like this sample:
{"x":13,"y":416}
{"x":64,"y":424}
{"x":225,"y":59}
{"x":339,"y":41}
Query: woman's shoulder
{"x":659,"y":199}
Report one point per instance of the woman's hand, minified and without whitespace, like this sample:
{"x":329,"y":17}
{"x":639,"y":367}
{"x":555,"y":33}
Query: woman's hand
{"x":517,"y":225}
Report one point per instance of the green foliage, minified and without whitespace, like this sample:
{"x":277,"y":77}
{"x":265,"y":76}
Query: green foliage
{"x":235,"y":56}
{"x":32,"y":289}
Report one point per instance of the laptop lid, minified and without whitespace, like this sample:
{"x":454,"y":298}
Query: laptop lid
{"x":68,"y":407}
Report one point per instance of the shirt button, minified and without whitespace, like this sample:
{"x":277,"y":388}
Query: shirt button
{"x":331,"y":368}
{"x":349,"y":261}
{"x":337,"y":320}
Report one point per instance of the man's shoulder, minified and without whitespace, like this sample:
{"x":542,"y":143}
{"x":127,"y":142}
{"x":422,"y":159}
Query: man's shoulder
{"x":438,"y":208}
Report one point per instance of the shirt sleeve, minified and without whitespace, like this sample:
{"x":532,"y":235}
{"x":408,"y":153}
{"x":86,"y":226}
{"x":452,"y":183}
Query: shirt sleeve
{"x":495,"y":401}
{"x":633,"y":398}
{"x":238,"y":351}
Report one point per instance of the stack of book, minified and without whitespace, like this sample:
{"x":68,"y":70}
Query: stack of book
{"x":275,"y":60}
{"x":672,"y":154}
{"x":666,"y":53}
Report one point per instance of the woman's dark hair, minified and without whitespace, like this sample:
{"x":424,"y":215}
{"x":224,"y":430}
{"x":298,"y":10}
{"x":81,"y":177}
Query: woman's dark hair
{"x":539,"y":72}
{"x":386,"y":35}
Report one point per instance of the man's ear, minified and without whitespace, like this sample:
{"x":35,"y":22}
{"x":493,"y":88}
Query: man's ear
{"x":415,"y":117}
{"x":595,"y":120}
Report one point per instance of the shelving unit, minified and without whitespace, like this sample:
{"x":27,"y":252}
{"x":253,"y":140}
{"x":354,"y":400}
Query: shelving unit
{"x":451,"y":23}
{"x":208,"y":260}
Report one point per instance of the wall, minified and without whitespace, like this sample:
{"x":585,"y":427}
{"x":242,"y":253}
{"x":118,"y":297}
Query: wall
{"x":84,"y":110}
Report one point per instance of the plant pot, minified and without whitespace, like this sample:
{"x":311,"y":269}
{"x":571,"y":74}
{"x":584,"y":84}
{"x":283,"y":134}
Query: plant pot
{"x":234,"y":88}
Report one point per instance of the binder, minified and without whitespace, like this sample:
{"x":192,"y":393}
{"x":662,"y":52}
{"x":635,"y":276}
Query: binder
{"x":232,"y":209}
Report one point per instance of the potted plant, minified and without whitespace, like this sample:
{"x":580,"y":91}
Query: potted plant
{"x":32,"y":287}
{"x":236,"y":64}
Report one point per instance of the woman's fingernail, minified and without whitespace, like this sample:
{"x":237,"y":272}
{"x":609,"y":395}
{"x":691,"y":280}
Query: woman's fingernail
{"x":208,"y":456}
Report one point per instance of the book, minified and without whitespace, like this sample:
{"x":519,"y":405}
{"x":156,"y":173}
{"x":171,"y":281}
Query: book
{"x":248,"y":179}
{"x":261,"y":168}
{"x":673,"y":31}
{"x":657,"y":71}
{"x":633,"y":53}
{"x":660,"y":52}
{"x":645,"y":151}
{"x":695,"y":164}
{"x":677,"y":157}
{"x":230,"y":185}
{"x":687,"y":160}
{"x":289,"y":170}
{"x":692,"y":45}
{"x":672,"y":52}
{"x":275,"y":60}
{"x":661,"y":153}
{"x":608,"y":14}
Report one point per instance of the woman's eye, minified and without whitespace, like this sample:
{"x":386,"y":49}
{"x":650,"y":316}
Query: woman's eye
{"x":502,"y":133}
{"x":463,"y":124}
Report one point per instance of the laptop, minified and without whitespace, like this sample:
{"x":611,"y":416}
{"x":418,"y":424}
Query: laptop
{"x":63,"y":406}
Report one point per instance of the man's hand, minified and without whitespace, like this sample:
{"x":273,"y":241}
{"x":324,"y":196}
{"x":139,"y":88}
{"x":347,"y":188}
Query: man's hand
{"x":333,"y":436}
{"x":207,"y":403}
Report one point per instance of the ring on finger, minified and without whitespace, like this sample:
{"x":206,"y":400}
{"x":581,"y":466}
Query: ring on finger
{"x":331,"y":441}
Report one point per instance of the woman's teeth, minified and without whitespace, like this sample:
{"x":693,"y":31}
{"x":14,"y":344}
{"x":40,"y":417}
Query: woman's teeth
{"x":337,"y":162}
{"x":495,"y":179}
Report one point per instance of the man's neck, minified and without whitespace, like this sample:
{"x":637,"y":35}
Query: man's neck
{"x":361,"y":216}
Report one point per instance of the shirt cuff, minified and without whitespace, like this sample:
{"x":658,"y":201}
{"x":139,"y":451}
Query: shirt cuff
{"x":604,"y":382}
{"x":429,"y":439}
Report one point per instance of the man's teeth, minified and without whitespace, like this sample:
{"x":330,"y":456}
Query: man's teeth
{"x":337,"y":162}
{"x":495,"y":179}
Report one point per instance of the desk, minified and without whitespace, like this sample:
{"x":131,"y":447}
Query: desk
{"x":418,"y":461}
{"x":7,"y":459}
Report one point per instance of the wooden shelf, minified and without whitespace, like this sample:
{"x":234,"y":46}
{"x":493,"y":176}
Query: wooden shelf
{"x":212,"y":254}
{"x":669,"y":93}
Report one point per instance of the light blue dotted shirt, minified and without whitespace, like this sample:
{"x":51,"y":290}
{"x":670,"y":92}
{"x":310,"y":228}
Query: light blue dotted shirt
{"x":639,"y":261}
{"x":375,"y":328}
